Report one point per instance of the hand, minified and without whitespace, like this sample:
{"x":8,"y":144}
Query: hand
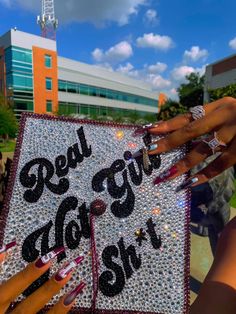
{"x":220,"y":119}
{"x":13,"y":287}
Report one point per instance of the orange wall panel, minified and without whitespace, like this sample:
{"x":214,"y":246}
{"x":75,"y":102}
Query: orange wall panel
{"x":41,"y":72}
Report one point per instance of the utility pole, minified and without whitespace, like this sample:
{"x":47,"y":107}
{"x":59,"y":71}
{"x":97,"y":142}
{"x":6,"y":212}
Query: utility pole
{"x":47,"y":20}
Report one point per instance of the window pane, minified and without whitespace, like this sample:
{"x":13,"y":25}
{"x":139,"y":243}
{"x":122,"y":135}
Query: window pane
{"x":71,"y":88}
{"x":49,"y":106}
{"x":48,"y":83}
{"x":83,"y":89}
{"x":84,"y":109}
{"x":94,"y":110}
{"x":103,"y":93}
{"x":48,"y":61}
{"x":103,"y":111}
{"x":62,"y":86}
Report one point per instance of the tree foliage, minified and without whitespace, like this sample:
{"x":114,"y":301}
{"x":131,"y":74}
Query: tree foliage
{"x":191,"y":93}
{"x":218,"y":93}
{"x":171,"y":109}
{"x":8,"y":122}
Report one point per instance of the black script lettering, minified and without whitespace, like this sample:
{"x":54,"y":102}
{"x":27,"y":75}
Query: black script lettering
{"x":36,"y":183}
{"x":29,"y":251}
{"x":129,"y":255}
{"x":73,"y":232}
{"x":107,"y":288}
{"x":155,"y":240}
{"x":118,"y":208}
{"x":45,"y":170}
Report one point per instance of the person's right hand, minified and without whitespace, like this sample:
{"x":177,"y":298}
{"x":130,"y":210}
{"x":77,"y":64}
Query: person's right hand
{"x":13,"y":287}
{"x":219,"y":120}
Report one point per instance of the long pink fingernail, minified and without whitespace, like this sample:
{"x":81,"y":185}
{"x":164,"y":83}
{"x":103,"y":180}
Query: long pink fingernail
{"x":73,"y":294}
{"x":62,"y":273}
{"x":165,"y":175}
{"x":6,"y":247}
{"x":141,"y":130}
{"x":48,"y":257}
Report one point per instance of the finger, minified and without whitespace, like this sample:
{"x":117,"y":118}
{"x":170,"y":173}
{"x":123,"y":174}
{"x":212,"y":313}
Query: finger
{"x":37,"y":300}
{"x":182,"y":120}
{"x":2,"y":257}
{"x":226,"y":160}
{"x":213,"y":121}
{"x":5,"y":248}
{"x":13,"y":287}
{"x":65,"y":303}
{"x":197,"y":155}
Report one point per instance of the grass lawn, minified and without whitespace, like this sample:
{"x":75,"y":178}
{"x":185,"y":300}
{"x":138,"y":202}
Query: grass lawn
{"x":8,"y":146}
{"x":233,"y":199}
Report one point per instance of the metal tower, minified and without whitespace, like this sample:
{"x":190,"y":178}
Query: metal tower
{"x":47,"y":20}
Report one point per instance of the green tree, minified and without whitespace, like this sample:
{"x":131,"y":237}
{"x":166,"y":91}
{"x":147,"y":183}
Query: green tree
{"x":170,"y":109}
{"x":8,"y":122}
{"x":218,"y":93}
{"x":191,"y":93}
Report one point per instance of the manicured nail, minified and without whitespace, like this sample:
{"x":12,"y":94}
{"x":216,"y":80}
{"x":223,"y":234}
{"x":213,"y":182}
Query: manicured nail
{"x":48,"y":257}
{"x":73,"y":294}
{"x":6,"y":247}
{"x":62,"y":273}
{"x":152,"y":147}
{"x":143,"y":129}
{"x":137,"y":154}
{"x":165,"y":175}
{"x":187,"y":184}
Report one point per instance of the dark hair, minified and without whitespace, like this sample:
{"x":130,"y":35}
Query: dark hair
{"x":0,"y":155}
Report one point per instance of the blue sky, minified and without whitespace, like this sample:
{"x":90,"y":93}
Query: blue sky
{"x":157,"y":41}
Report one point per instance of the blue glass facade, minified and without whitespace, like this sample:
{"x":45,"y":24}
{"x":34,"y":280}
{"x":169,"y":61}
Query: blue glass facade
{"x":72,"y":87}
{"x":19,"y":78}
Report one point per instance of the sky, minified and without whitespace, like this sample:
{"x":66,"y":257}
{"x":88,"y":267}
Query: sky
{"x":156,"y":41}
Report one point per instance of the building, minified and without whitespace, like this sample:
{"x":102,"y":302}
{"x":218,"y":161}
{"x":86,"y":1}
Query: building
{"x":220,"y":74}
{"x":37,"y":80}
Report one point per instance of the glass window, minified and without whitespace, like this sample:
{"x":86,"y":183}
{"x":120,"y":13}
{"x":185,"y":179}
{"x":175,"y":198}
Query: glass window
{"x":83,"y":89}
{"x":48,"y":83}
{"x":94,"y":110}
{"x":71,"y":88}
{"x":103,"y":93}
{"x":83,"y":109}
{"x":22,"y":56}
{"x":49,"y":106}
{"x":48,"y":61}
{"x":93,"y":91}
{"x":62,"y":86}
{"x":103,"y":111}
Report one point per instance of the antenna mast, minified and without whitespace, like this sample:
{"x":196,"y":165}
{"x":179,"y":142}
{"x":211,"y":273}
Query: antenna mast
{"x":47,"y":20}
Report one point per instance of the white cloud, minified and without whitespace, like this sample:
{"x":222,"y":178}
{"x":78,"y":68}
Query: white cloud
{"x":178,"y":74}
{"x":232,"y":43}
{"x":195,"y":54}
{"x":96,"y":12}
{"x":159,"y":67}
{"x":158,"y":82}
{"x":151,"y":17}
{"x":117,"y":53}
{"x":129,"y":70}
{"x":155,"y":41}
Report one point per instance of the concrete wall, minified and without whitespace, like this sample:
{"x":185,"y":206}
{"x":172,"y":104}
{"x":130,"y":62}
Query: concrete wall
{"x":73,"y":71}
{"x":26,"y":40}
